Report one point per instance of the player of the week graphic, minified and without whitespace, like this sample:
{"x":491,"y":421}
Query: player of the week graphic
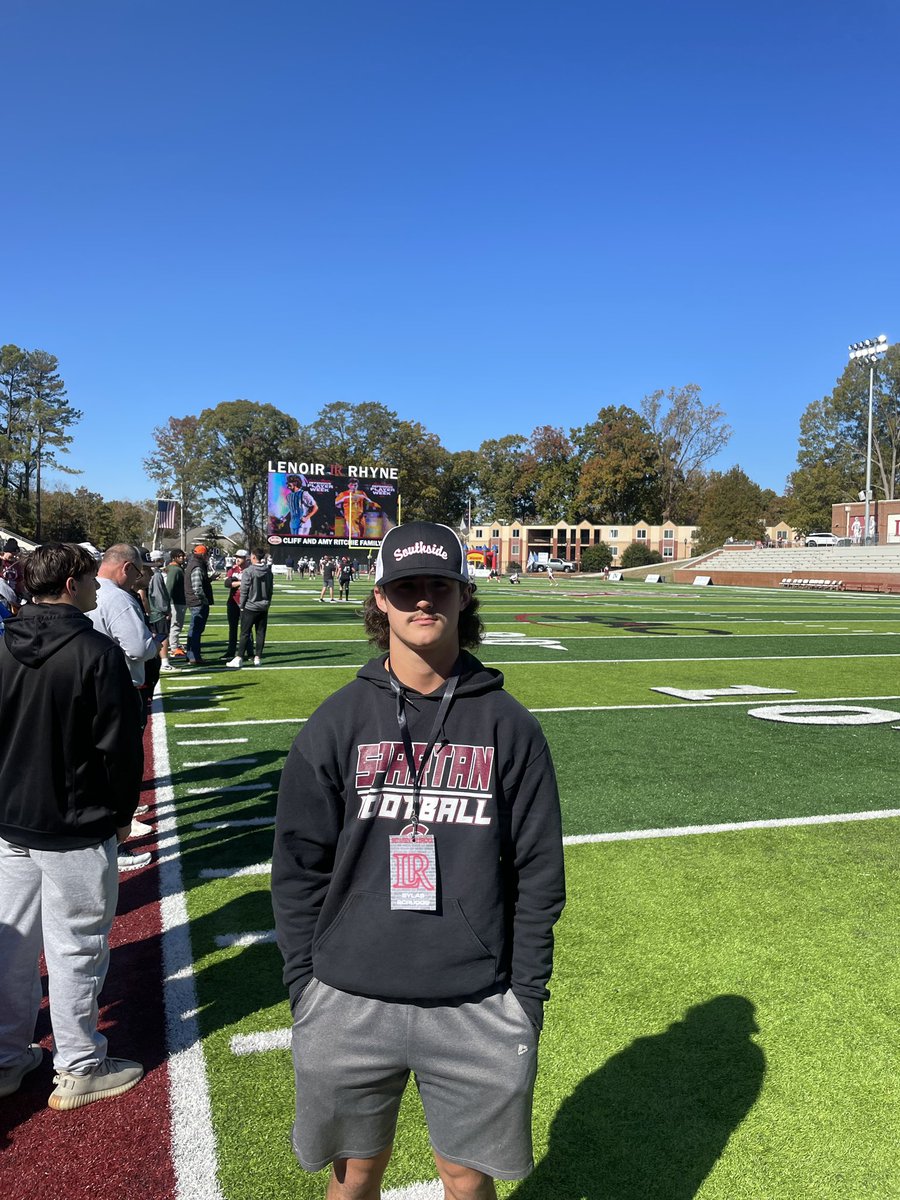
{"x":302,"y":506}
{"x":416,"y":877}
{"x":352,"y":504}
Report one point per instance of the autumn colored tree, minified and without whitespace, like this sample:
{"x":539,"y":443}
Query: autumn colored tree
{"x":689,"y":433}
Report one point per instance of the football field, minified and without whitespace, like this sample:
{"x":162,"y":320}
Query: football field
{"x":724,"y":1007}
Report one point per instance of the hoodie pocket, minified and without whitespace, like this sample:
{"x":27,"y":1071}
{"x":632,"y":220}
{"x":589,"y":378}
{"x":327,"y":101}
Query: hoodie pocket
{"x":403,"y":955}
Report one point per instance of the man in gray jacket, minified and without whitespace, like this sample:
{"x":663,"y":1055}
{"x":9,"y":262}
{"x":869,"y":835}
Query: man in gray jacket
{"x":256,"y":596}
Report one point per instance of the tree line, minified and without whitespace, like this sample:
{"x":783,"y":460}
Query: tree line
{"x":650,"y":462}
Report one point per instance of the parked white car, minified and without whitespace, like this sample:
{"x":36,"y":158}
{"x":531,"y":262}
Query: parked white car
{"x":821,"y":539}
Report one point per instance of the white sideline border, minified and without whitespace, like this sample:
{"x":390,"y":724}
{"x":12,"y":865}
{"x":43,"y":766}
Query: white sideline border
{"x":194,"y":1157}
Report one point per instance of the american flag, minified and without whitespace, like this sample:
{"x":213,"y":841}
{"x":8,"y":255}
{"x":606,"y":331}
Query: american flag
{"x":165,"y":510}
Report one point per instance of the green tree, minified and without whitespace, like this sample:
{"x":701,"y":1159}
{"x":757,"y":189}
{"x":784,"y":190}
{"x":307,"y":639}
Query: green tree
{"x":505,"y":486}
{"x":834,"y":430}
{"x":732,"y":508}
{"x":550,"y":472}
{"x":597,"y":557}
{"x":179,"y":463}
{"x":619,"y":478}
{"x":639,"y":554}
{"x":242,"y":436}
{"x":688,"y":433}
{"x":812,"y":491}
{"x":433,"y":486}
{"x":47,"y":418}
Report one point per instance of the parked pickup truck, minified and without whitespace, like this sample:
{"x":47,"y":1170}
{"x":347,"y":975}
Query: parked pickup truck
{"x":558,"y":564}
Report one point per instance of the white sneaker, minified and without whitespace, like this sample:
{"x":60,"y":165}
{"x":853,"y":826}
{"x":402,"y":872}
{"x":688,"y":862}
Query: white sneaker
{"x":140,"y":828}
{"x":167,"y":666}
{"x":133,"y":862}
{"x":141,"y":809}
{"x":235,"y":662}
{"x":256,"y":661}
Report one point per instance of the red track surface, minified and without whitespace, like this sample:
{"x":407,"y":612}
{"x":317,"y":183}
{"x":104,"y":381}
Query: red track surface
{"x":112,"y":1149}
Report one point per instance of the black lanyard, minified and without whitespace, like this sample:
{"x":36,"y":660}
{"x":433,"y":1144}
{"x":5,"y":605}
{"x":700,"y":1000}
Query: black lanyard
{"x":418,"y":775}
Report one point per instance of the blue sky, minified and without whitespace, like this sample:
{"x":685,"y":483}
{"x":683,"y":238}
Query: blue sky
{"x":486,"y":216}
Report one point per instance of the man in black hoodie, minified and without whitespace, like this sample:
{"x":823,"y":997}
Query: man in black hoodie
{"x":70,"y":775}
{"x":416,"y":877}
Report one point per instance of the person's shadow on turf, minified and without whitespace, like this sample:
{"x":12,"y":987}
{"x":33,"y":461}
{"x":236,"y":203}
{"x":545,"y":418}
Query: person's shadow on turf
{"x":651,"y":1123}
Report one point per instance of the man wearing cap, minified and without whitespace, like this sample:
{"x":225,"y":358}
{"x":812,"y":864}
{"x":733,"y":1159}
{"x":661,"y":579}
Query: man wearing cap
{"x":159,"y":604}
{"x":416,"y":877}
{"x":198,"y":594}
{"x":175,"y":588}
{"x":233,"y":603}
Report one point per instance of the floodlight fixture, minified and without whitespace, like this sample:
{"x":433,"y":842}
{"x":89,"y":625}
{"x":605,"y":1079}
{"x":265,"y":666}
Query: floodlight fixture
{"x":869,"y":351}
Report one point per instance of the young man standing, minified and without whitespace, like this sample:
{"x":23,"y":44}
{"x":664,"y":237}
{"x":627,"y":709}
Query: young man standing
{"x":256,"y":585}
{"x":175,"y":587}
{"x":328,"y":570}
{"x":416,"y":878}
{"x":70,"y":775}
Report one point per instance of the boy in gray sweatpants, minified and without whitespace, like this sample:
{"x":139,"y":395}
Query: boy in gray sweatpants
{"x":71,"y":764}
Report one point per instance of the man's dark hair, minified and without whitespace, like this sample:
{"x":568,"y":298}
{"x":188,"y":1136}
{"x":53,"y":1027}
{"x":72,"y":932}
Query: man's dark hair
{"x":176,"y":553}
{"x":49,"y":566}
{"x":258,"y":552}
{"x":471,"y":627}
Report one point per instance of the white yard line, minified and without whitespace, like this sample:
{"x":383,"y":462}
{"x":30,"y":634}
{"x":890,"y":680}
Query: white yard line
{"x":263,"y":786}
{"x":222,"y":762}
{"x":632,"y":835}
{"x":663,"y":707}
{"x":217,"y":741}
{"x":193,"y":1141}
{"x":607,"y":662}
{"x":244,"y":823}
{"x":263,"y":937}
{"x":235,"y":872}
{"x":224,"y":724}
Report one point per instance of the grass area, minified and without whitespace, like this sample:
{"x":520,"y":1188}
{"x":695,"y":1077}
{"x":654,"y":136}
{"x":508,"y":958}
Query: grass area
{"x":724,"y":1006}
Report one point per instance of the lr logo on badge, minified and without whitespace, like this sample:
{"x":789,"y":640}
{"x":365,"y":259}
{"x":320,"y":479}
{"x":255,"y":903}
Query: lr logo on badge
{"x":411,"y":870}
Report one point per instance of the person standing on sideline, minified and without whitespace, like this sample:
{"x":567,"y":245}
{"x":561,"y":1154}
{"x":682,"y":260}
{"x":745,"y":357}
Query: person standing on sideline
{"x":71,"y":764}
{"x":159,"y":603}
{"x":256,"y":596}
{"x":233,"y":604}
{"x":327,"y":579}
{"x":175,"y":586}
{"x":345,"y":578}
{"x":417,"y":874}
{"x":198,"y":594}
{"x":118,"y":612}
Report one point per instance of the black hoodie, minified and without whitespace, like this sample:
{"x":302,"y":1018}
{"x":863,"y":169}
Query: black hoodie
{"x":71,"y":759}
{"x":489,"y":798}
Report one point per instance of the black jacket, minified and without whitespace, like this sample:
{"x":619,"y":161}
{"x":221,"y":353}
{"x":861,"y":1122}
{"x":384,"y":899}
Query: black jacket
{"x":71,"y":758}
{"x":489,"y":799}
{"x":193,"y":598}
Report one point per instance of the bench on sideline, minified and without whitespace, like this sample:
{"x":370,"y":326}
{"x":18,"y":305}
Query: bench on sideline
{"x":817,"y":585}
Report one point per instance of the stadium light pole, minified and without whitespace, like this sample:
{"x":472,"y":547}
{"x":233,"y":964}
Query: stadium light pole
{"x":870,"y":350}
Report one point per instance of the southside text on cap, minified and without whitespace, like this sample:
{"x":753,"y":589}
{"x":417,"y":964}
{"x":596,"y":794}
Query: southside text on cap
{"x":420,"y":548}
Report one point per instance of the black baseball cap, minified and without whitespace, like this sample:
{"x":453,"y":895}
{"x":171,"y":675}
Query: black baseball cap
{"x":420,"y":548}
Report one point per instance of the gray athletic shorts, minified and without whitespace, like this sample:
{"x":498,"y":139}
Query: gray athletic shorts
{"x":474,"y":1064}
